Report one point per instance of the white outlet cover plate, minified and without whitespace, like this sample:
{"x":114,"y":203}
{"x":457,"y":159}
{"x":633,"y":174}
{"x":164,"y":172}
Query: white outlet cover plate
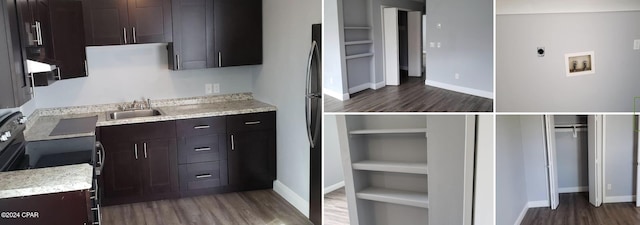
{"x":636,"y":44}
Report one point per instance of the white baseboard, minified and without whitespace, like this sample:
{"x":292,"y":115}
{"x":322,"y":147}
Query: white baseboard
{"x":359,"y":88}
{"x":525,"y":208}
{"x":616,"y":199}
{"x":573,"y":189}
{"x":334,"y":187}
{"x":341,"y":97}
{"x":456,"y":88}
{"x":376,"y":86}
{"x":291,"y":197}
{"x":536,"y":204}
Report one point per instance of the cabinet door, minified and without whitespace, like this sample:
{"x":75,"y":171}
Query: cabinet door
{"x":106,"y":22}
{"x":193,"y":40}
{"x":150,"y":21}
{"x":67,"y":26}
{"x":14,"y":85}
{"x":41,"y":14}
{"x":122,"y":171}
{"x":252,"y":159}
{"x":238,"y":32}
{"x":160,"y":175}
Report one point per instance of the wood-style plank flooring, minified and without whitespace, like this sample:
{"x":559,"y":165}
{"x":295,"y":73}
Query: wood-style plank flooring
{"x":335,"y":208}
{"x":253,"y":207}
{"x":575,"y":209}
{"x":410,"y":96}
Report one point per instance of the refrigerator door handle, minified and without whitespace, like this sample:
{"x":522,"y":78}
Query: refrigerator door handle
{"x":308,"y":94}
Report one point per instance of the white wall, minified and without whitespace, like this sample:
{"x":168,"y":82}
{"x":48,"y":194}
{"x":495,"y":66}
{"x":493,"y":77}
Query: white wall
{"x":129,"y":72}
{"x":619,"y":157}
{"x":484,"y":213}
{"x":535,"y":161}
{"x":334,"y":70}
{"x":511,"y":185}
{"x":572,"y":155}
{"x":281,"y":82}
{"x":332,"y":162}
{"x":565,"y":6}
{"x":466,"y":39}
{"x":526,"y":82}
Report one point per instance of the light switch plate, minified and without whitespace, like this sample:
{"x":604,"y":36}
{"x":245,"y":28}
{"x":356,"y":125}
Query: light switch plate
{"x":207,"y":89}
{"x":636,"y":44}
{"x":432,"y":44}
{"x":216,"y":88}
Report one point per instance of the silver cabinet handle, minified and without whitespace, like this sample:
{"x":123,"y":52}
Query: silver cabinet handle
{"x":202,"y":149}
{"x":134,"y":35}
{"x":233,"y":144}
{"x":203,"y":176}
{"x":219,"y":59}
{"x":33,"y":85}
{"x":38,"y":29}
{"x":58,"y":77}
{"x":124,"y":34}
{"x":252,"y":123}
{"x":178,"y":62}
{"x":144,"y":147}
{"x":135,"y":147}
{"x":86,"y":68}
{"x":202,"y":127}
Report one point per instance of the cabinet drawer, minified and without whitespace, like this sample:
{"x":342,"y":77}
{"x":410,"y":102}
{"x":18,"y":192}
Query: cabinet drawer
{"x":203,"y":175}
{"x":205,"y":148}
{"x":252,"y":121}
{"x":142,"y":131}
{"x":201,"y":126}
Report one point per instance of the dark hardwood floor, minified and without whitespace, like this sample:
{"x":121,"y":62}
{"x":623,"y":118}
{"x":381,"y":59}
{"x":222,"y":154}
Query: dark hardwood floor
{"x":253,"y":207}
{"x":575,"y":209}
{"x":410,"y":96}
{"x":335,"y":208}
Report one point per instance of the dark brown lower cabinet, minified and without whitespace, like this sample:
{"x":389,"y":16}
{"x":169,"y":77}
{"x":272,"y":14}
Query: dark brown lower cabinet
{"x":252,"y":152}
{"x":57,"y":208}
{"x":138,"y":169}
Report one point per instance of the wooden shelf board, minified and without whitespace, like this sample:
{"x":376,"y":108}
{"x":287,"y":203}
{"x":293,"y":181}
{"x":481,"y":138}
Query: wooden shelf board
{"x":389,"y":131}
{"x":416,"y":199}
{"x":359,"y":55}
{"x":357,"y":28}
{"x":387,"y":166}
{"x":358,"y":42}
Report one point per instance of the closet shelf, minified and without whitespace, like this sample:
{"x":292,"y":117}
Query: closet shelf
{"x":357,"y":28}
{"x":416,"y":199}
{"x":358,"y":42}
{"x":390,"y":131}
{"x":359,"y":55}
{"x":387,"y":166}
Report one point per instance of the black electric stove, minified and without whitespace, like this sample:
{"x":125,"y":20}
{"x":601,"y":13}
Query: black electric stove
{"x":12,"y":143}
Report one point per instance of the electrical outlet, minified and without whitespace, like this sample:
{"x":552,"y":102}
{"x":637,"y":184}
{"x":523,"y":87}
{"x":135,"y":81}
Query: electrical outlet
{"x":439,"y":26}
{"x":457,"y":76}
{"x":216,"y":88}
{"x":438,"y":45}
{"x":432,"y":44}
{"x":636,"y":44}
{"x":609,"y":187}
{"x":207,"y":89}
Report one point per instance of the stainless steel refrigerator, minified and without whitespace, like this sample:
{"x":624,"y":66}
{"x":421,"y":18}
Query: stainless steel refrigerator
{"x":313,"y":110}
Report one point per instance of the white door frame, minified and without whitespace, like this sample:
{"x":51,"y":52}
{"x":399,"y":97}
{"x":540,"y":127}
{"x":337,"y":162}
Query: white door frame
{"x":637,"y":130}
{"x":552,"y":170}
{"x":594,"y":127}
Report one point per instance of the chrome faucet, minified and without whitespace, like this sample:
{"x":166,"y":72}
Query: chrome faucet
{"x":136,"y":105}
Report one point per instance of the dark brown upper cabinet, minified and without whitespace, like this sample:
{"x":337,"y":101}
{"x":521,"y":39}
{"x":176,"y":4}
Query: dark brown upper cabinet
{"x":14,"y":84}
{"x":218,"y":33}
{"x":117,"y":22}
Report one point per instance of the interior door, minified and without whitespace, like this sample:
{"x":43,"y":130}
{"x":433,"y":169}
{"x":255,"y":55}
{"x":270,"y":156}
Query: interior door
{"x":391,"y":50}
{"x":552,"y":169}
{"x":595,"y":176}
{"x":414,"y":28}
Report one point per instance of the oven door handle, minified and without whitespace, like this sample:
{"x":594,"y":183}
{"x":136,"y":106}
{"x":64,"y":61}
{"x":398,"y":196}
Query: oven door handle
{"x":101,"y":157}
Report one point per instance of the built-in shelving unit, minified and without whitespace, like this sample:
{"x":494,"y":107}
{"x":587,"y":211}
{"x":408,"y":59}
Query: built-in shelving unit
{"x":358,"y":42}
{"x":386,"y":170}
{"x":357,"y":28}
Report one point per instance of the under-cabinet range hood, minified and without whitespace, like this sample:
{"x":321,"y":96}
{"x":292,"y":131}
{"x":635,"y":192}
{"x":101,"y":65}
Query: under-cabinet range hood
{"x":39,"y":67}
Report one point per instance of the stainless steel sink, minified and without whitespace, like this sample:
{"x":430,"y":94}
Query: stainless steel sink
{"x":117,"y":115}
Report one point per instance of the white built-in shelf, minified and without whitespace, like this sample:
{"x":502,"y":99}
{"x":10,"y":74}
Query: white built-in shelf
{"x":387,"y":166}
{"x":390,"y":131}
{"x":359,"y":55}
{"x":357,"y":28}
{"x":358,"y":42}
{"x":417,"y":199}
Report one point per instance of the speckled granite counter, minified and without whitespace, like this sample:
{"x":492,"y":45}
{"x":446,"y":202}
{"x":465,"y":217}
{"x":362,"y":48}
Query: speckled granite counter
{"x":45,"y":181}
{"x":43,"y":121}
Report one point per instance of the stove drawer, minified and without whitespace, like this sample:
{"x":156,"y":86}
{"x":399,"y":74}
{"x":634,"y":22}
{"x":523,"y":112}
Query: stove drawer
{"x":196,"y":176}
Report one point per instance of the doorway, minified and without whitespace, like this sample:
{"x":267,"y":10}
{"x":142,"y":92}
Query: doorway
{"x":402,"y":34}
{"x":574,"y":155}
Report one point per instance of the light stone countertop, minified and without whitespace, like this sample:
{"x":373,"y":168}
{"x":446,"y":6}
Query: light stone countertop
{"x":43,"y":121}
{"x":45,"y":180}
